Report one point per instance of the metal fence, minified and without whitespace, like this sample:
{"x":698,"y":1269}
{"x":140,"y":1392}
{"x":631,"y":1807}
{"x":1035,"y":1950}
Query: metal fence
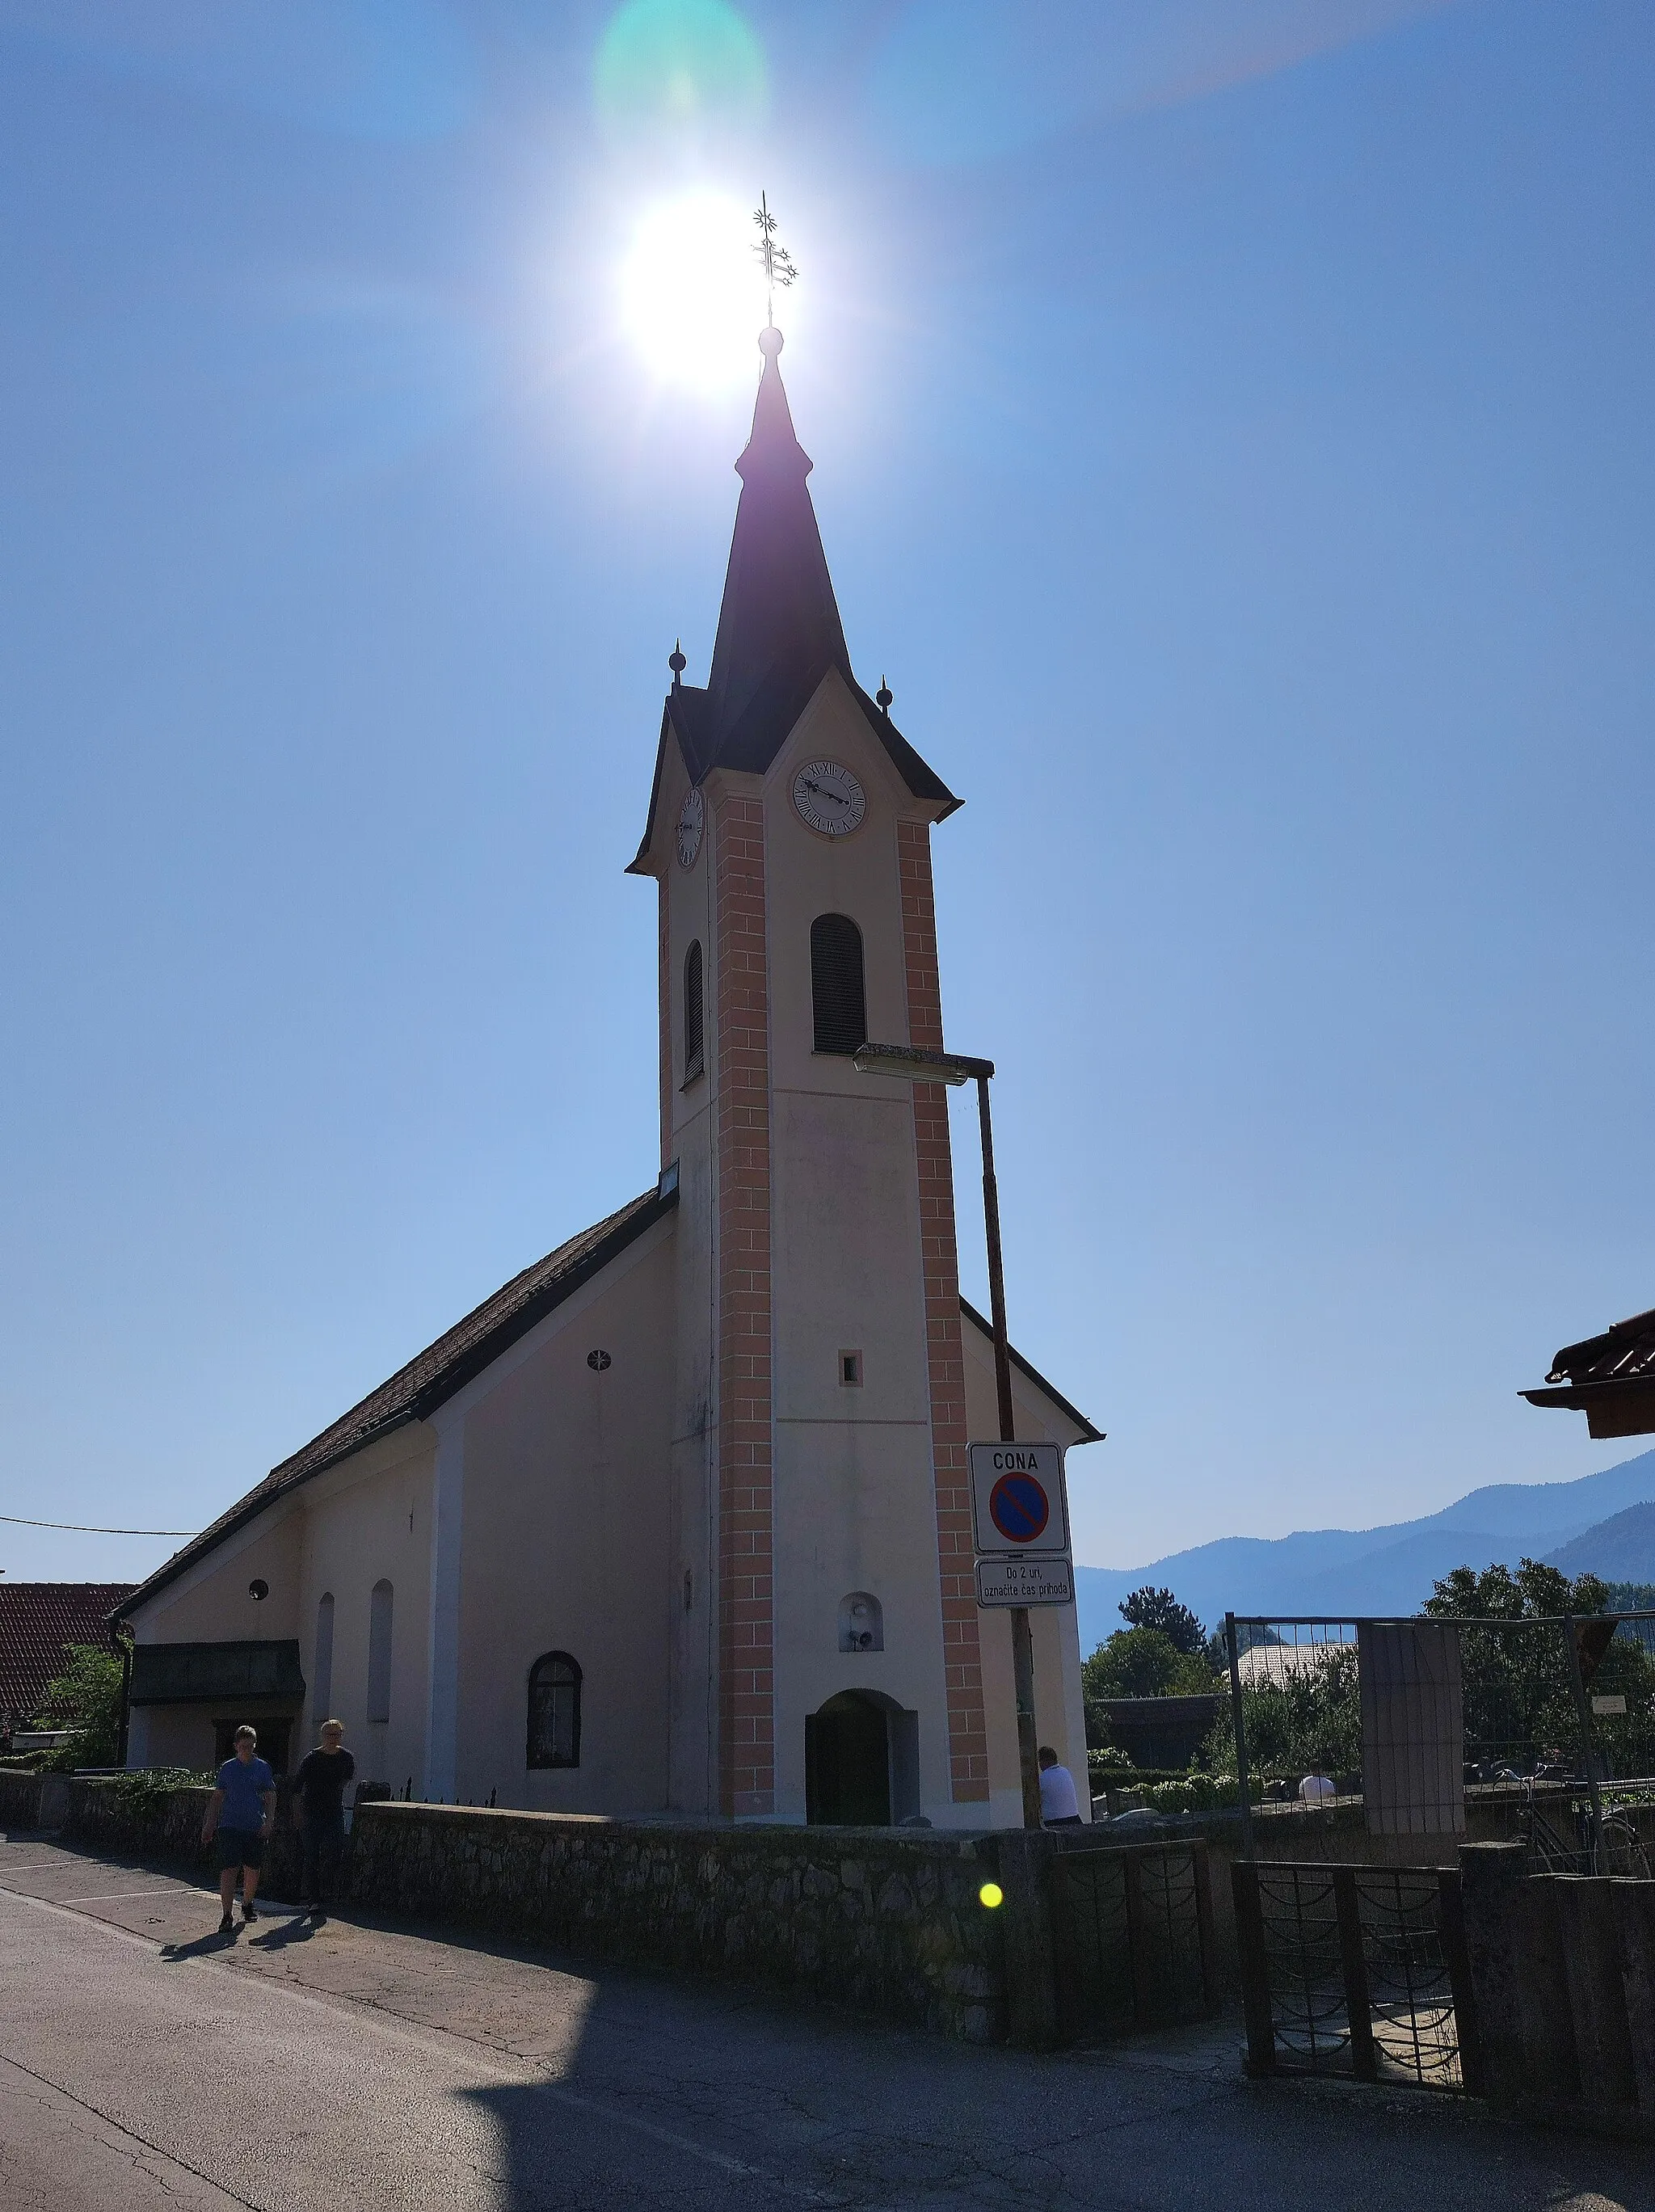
{"x":1539,"y":1730}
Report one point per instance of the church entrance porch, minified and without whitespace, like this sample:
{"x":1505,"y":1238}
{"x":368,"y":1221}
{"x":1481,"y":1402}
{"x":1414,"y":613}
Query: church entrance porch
{"x":861,"y":1762}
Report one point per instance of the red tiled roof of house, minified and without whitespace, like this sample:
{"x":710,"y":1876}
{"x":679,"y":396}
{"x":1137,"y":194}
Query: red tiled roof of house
{"x":37,"y":1620}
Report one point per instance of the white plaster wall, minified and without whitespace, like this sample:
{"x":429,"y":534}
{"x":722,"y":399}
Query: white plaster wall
{"x":566,"y":1544}
{"x":368,"y":1518}
{"x":808,"y":874}
{"x":854,"y":1503}
{"x":209,"y":1604}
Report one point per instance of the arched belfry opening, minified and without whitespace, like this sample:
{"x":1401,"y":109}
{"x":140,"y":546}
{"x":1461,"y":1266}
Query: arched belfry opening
{"x":861,"y":1762}
{"x":839,"y":998}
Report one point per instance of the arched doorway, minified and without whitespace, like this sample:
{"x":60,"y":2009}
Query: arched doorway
{"x":861,"y":1762}
{"x":847,"y":1763}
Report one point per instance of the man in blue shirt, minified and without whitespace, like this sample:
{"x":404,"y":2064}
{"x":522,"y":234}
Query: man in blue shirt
{"x":240,"y":1812}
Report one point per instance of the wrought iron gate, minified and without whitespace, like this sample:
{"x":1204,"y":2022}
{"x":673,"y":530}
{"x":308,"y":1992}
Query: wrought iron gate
{"x":1134,"y":1936}
{"x":1357,"y":1971}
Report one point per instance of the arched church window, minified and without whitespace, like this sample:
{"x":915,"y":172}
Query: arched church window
{"x":837,"y":993}
{"x":861,"y":1622}
{"x":381,"y":1606}
{"x":321,"y":1671}
{"x":694,"y":1062}
{"x":554,"y":1711}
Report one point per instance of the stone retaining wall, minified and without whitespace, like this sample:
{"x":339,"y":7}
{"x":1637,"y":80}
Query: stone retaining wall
{"x":1563,"y":1968}
{"x":886,"y":1925}
{"x":19,"y":1799}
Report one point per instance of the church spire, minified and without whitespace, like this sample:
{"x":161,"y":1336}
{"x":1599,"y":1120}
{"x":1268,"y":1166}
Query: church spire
{"x":778,"y":628}
{"x":779,"y":632}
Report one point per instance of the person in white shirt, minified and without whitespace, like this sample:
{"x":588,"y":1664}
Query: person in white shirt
{"x":1315,"y":1787}
{"x":1059,"y":1806}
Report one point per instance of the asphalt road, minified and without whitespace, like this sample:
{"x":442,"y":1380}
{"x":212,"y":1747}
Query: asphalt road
{"x":143,"y":2064}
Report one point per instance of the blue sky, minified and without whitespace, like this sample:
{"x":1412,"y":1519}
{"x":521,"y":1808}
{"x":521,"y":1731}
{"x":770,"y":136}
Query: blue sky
{"x":1232,"y":441}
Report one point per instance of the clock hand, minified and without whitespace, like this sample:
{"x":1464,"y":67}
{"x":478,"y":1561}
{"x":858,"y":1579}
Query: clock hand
{"x":823,"y":792}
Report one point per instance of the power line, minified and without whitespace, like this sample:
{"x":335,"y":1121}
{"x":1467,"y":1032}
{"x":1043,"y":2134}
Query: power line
{"x":75,"y":1528}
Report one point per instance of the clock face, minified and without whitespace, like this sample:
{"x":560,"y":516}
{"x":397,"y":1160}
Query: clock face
{"x":692,"y":817}
{"x":828,"y":798}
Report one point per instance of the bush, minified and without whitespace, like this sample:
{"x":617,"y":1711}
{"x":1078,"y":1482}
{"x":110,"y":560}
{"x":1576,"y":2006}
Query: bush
{"x":86,"y":1698}
{"x":1308,"y":1717}
{"x":143,"y":1790}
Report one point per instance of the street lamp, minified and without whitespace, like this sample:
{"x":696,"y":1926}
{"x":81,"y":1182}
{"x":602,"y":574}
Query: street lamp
{"x":918,"y":1064}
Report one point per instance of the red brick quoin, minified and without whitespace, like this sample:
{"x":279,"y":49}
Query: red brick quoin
{"x":963,"y":1656}
{"x":746,"y":1724}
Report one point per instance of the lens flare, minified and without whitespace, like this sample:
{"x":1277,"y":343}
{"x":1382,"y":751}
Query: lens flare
{"x":691,"y":293}
{"x":679,"y":68}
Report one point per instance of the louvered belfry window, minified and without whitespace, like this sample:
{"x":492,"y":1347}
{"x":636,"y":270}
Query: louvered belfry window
{"x":694,"y":1060}
{"x":837,"y":992}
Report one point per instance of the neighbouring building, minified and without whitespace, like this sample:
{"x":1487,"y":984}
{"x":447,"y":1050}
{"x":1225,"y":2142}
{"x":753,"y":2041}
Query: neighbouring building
{"x":677,"y":1521}
{"x":38,"y":1622}
{"x":1610,"y":1378}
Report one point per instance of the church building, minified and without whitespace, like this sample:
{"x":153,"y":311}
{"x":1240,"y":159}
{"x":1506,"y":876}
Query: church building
{"x":677,"y":1523}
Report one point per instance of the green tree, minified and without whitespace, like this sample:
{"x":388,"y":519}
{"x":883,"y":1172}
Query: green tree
{"x":1149,"y":1607}
{"x":1305,"y":1716}
{"x":1519,"y":1688}
{"x":1143,"y":1662}
{"x":1631,"y":1597}
{"x":1534,"y":1592}
{"x":86,"y":1698}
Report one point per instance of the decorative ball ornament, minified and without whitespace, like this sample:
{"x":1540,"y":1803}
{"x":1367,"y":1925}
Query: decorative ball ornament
{"x":770,"y":342}
{"x":692,"y":820}
{"x":828,"y":799}
{"x":883,"y":696}
{"x":676,"y":662}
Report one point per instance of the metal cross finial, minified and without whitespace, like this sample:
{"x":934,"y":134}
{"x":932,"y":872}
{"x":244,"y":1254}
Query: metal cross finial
{"x":778,"y":266}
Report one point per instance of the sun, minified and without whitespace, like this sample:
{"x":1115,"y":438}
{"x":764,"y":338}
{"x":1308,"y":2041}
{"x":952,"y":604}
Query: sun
{"x":692,"y":295}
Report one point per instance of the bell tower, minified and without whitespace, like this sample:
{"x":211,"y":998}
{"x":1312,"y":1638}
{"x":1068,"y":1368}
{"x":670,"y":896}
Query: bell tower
{"x":825,"y":1623}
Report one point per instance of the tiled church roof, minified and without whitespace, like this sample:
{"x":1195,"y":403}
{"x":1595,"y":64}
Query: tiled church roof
{"x":37,"y":1620}
{"x":443,"y":1368}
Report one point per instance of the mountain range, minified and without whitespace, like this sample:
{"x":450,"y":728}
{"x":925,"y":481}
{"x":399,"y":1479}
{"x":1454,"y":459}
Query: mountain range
{"x":1604,"y":1524}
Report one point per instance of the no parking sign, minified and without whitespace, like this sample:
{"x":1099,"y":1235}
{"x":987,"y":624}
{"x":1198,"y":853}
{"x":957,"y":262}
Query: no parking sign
{"x":1017,"y":1502}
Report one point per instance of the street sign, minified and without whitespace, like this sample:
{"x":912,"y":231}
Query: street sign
{"x":1028,"y":1580}
{"x":1017,"y":1502}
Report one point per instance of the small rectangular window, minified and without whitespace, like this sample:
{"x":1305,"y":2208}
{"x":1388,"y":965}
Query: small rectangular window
{"x":850,"y":1368}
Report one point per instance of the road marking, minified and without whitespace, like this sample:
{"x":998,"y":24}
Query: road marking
{"x":36,"y":1865}
{"x":108,"y":1896}
{"x":435,"y":2043}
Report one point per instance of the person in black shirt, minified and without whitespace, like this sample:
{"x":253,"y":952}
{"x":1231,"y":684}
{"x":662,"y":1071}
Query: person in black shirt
{"x":318,"y":1808}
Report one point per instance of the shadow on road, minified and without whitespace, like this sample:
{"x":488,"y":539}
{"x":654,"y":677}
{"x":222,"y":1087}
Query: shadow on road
{"x":298,"y":1929}
{"x":203,"y":1947}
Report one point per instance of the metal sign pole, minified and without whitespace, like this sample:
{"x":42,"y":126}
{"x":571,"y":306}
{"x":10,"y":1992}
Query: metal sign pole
{"x":1237,"y":1709}
{"x":1583,"y":1709}
{"x":1022,"y":1638}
